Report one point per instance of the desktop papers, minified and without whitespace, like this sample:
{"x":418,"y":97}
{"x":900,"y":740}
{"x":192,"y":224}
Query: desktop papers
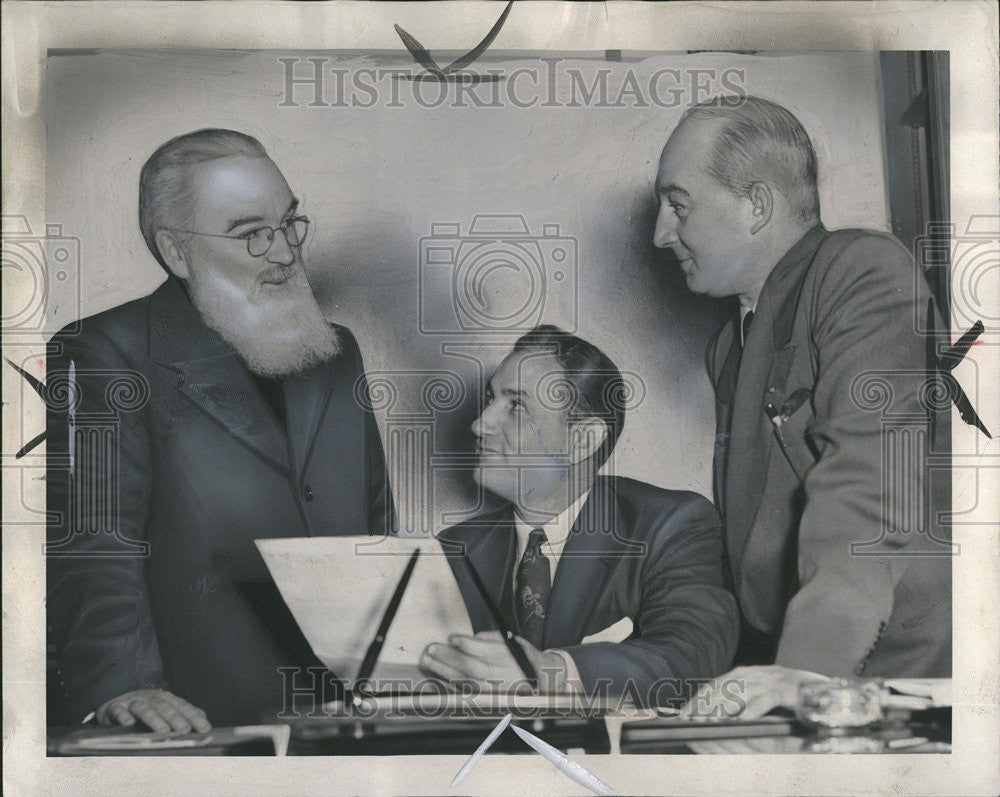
{"x":338,"y":588}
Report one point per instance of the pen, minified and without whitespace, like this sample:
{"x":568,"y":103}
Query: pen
{"x":508,"y":636}
{"x":772,"y":412}
{"x":375,"y":648}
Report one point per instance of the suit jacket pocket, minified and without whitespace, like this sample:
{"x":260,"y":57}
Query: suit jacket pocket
{"x":792,"y":427}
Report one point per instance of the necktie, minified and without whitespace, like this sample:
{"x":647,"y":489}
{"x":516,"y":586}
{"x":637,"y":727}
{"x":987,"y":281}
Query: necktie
{"x":727,"y":388}
{"x":533,"y":586}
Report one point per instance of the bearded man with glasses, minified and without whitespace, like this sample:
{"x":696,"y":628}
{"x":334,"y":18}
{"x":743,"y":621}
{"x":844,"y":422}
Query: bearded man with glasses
{"x":248,"y":418}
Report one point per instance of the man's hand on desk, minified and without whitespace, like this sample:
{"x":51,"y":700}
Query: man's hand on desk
{"x":748,"y":693}
{"x":485,"y":658}
{"x":157,"y":708}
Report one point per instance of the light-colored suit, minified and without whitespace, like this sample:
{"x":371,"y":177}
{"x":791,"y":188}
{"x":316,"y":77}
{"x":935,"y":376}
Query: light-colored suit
{"x":831,"y":528}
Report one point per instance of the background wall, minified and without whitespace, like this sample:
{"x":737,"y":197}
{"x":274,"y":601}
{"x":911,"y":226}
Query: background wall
{"x":374,"y":181}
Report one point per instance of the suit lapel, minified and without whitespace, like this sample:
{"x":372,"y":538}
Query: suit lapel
{"x":589,"y":560}
{"x":764,"y":367}
{"x":492,"y":554}
{"x":306,"y":398}
{"x":211,"y":375}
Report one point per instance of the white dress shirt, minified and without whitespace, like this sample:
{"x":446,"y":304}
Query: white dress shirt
{"x":744,"y":311}
{"x":556,"y":532}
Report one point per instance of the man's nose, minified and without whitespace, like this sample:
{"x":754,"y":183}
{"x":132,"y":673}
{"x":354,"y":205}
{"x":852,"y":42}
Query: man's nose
{"x":665,"y":232}
{"x":280,"y":252}
{"x":486,"y":423}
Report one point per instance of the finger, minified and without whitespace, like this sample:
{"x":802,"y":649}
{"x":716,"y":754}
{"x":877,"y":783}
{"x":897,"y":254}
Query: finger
{"x":524,"y":643}
{"x":468,"y":666}
{"x":165,"y":708}
{"x":478,"y":647}
{"x":193,"y":714}
{"x":149,"y":715}
{"x":763,"y":694}
{"x":434,"y":667}
{"x":118,"y":713}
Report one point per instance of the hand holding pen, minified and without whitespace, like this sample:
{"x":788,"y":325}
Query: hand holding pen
{"x":485,"y":657}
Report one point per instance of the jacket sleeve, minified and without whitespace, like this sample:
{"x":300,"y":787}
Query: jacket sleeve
{"x":98,"y":483}
{"x":687,"y":624}
{"x":869,"y":363}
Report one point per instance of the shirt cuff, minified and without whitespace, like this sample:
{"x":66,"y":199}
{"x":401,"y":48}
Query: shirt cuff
{"x":573,"y":683}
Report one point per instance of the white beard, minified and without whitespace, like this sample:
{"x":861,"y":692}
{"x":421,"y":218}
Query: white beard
{"x":278,"y":330}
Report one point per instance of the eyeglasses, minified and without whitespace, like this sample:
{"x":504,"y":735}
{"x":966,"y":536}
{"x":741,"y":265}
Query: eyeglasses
{"x":259,"y":241}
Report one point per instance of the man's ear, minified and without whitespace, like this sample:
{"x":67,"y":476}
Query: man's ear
{"x":762,"y":201}
{"x":173,"y":254}
{"x":585,"y":437}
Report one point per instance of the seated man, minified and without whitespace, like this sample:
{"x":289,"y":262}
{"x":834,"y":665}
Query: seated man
{"x":573,"y":553}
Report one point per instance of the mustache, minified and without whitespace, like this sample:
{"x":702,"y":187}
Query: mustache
{"x":276,"y":273}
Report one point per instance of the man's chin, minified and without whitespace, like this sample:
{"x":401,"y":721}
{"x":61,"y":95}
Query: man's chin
{"x":279,"y":332}
{"x":693,"y":283}
{"x":288,"y":289}
{"x":500,"y":481}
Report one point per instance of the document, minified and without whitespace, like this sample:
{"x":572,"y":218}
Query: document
{"x":338,"y":589}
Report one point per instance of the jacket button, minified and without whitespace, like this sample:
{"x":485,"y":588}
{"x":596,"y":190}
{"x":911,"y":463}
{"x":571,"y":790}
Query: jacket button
{"x":307,"y":493}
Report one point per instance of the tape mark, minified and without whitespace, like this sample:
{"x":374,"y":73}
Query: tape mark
{"x":487,"y":743}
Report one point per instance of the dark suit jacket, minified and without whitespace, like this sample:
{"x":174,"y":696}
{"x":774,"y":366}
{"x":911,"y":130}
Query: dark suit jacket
{"x":838,"y":305}
{"x":635,"y":551}
{"x":176,"y":449}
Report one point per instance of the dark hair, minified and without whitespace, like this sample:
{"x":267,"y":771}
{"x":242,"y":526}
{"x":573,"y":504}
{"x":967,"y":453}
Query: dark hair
{"x":759,"y":141}
{"x":593,"y":387}
{"x":165,"y":180}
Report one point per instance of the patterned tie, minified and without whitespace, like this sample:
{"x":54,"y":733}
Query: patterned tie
{"x":533,"y":586}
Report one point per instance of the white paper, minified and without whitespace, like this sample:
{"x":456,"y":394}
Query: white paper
{"x":338,"y":588}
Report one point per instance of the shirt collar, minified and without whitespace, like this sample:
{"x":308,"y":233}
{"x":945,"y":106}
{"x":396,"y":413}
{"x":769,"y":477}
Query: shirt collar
{"x":556,"y":530}
{"x":744,"y":312}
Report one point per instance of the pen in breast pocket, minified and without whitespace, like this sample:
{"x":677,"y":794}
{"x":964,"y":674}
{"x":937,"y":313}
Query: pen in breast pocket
{"x":772,"y":413}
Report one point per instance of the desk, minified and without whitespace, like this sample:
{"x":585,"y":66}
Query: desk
{"x":904,"y":732}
